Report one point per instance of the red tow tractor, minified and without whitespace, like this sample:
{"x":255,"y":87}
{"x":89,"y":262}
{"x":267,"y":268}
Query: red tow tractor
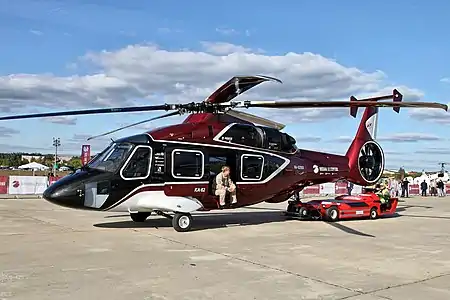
{"x":342,"y":207}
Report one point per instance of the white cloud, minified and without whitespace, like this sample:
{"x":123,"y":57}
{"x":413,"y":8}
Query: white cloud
{"x":7,"y":132}
{"x":409,"y":138}
{"x":159,"y":75}
{"x":62,"y":120}
{"x":396,"y":138}
{"x":445,"y":80}
{"x":308,"y":139}
{"x":342,"y":139}
{"x":8,"y":148}
{"x":166,"y":30}
{"x":36,"y":32}
{"x":433,"y":115}
{"x":221,"y":48}
{"x":434,"y":150}
{"x":227,"y":31}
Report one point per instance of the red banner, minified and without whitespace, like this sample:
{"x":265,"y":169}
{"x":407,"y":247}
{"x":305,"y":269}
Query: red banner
{"x":341,"y":188}
{"x":85,"y":154}
{"x":414,"y":189}
{"x":52,"y":179}
{"x":447,"y":189}
{"x":4,"y":182}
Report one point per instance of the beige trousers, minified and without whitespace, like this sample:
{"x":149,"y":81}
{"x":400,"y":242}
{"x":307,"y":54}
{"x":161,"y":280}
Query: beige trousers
{"x":222,"y":193}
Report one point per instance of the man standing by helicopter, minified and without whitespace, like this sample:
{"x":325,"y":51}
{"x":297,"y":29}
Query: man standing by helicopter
{"x":224,"y":185}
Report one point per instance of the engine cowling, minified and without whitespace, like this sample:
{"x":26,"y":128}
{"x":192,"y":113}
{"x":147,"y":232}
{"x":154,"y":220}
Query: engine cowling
{"x":370,"y":162}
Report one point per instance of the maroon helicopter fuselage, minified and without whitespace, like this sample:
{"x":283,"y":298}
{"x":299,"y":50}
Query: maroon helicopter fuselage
{"x":183,"y":160}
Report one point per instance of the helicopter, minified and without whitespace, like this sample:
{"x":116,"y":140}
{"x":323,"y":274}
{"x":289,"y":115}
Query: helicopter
{"x":170,"y":170}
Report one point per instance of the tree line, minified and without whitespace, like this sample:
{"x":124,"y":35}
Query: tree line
{"x":15,"y":160}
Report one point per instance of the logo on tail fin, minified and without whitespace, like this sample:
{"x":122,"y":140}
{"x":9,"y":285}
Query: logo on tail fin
{"x":371,"y":125}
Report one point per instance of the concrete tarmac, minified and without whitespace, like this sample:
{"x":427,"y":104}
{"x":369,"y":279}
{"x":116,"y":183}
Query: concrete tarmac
{"x":49,"y":252}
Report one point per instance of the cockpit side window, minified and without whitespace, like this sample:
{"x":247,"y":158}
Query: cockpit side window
{"x":138,"y":165}
{"x":111,"y":159}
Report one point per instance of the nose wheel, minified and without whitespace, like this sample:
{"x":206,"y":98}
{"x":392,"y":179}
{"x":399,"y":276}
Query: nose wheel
{"x":182,"y":222}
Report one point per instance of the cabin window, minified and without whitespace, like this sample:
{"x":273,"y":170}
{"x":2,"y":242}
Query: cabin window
{"x":243,"y":135}
{"x":138,"y":165}
{"x":252,"y":166}
{"x":188,"y":164}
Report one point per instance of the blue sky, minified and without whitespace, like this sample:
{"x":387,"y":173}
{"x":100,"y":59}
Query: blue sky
{"x":140,"y":49}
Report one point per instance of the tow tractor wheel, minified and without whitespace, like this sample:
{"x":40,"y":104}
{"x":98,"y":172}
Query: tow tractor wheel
{"x":373,"y":213}
{"x":182,"y":222}
{"x":332,"y":214}
{"x":303,"y":212}
{"x":140,"y":216}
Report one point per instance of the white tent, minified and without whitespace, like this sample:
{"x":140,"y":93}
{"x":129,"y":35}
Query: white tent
{"x":34,"y":166}
{"x":421,"y":178}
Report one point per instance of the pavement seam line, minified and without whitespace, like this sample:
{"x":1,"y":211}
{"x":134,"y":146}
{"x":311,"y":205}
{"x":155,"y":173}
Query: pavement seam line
{"x":45,"y":222}
{"x":397,"y":286}
{"x":259,"y":264}
{"x":409,"y":283}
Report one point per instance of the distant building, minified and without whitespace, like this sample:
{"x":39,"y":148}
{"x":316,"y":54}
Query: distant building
{"x":63,"y":158}
{"x":32,"y":157}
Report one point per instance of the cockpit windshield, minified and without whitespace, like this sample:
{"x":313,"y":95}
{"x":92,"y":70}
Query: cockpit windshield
{"x":111,"y":158}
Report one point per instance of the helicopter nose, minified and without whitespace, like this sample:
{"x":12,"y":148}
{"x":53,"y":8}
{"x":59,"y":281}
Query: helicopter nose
{"x":64,"y":196}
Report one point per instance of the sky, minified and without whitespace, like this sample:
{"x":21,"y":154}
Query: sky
{"x":79,"y":54}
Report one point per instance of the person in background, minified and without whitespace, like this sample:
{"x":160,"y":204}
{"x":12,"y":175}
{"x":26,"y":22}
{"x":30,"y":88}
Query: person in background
{"x":349,"y":187}
{"x":424,"y":188}
{"x":405,"y":188}
{"x":440,"y":188}
{"x":224,"y":185}
{"x":392,"y":187}
{"x":433,"y":191}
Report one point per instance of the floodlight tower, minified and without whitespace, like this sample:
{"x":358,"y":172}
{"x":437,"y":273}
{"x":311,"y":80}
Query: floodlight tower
{"x":56,"y":144}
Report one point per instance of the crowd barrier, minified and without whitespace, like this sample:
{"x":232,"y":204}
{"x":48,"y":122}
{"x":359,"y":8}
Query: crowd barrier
{"x":36,"y":185}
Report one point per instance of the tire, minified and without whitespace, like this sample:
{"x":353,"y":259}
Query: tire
{"x":332,"y":214}
{"x":140,"y":216}
{"x":373,"y":213}
{"x":182,"y":222}
{"x":303,"y":213}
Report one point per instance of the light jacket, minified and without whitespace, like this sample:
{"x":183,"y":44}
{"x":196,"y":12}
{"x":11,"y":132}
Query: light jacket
{"x":223,"y":182}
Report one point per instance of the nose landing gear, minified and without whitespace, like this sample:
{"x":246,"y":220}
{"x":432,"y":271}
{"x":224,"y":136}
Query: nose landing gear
{"x":181,"y":222}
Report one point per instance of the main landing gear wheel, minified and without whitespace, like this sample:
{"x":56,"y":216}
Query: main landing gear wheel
{"x":182,"y":222}
{"x":140,"y":216}
{"x":332,"y":214}
{"x":373,"y":213}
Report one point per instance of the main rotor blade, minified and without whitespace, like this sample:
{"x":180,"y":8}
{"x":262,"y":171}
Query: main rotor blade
{"x":174,"y":113}
{"x":93,"y":111}
{"x":236,"y":86}
{"x":331,"y":104}
{"x":255,"y":119}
